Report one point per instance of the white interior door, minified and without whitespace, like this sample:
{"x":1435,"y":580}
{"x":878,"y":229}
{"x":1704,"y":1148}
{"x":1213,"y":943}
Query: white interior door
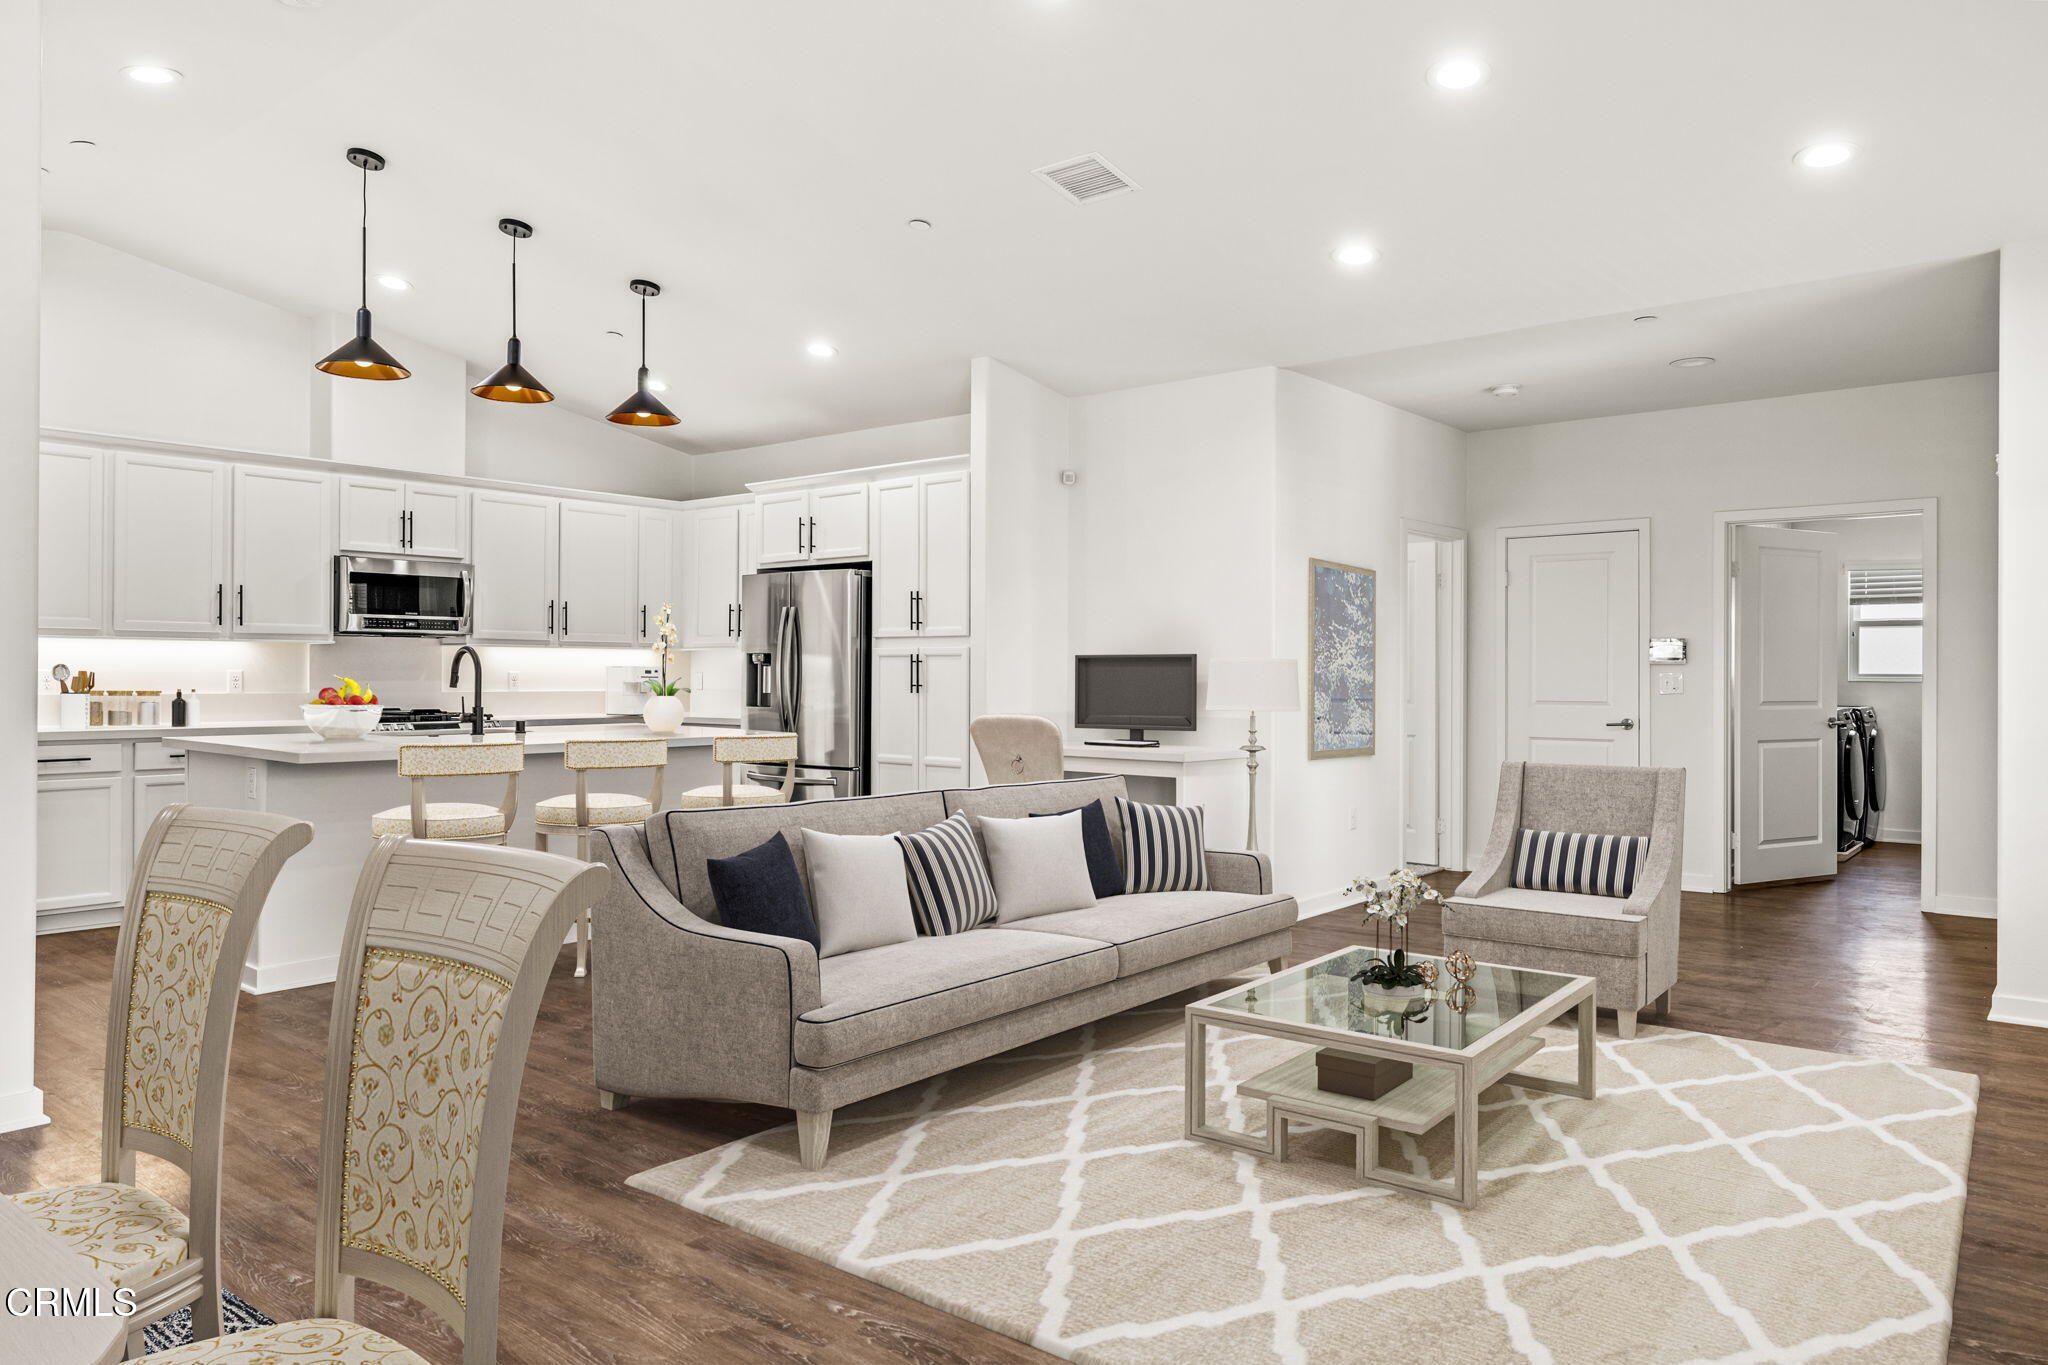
{"x":1419,"y":720}
{"x":1788,"y":659}
{"x":1575,"y":654}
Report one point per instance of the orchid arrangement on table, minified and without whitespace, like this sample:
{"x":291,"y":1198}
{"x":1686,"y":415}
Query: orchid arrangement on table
{"x":664,"y":652}
{"x":1387,"y":904}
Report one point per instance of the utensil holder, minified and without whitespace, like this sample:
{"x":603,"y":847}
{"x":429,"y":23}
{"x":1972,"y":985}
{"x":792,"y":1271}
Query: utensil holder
{"x":74,"y":710}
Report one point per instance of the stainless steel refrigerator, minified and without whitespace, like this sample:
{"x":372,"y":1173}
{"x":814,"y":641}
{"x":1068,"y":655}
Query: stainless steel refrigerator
{"x":804,"y":635}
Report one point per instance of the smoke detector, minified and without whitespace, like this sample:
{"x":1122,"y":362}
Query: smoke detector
{"x":1505,"y":390}
{"x":1085,"y":179}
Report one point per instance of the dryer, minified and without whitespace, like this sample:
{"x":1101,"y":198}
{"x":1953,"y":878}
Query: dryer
{"x":1872,"y":741}
{"x":1851,"y":777}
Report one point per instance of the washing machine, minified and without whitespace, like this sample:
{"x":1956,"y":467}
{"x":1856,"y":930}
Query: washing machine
{"x":1872,"y":740}
{"x":1851,"y":775}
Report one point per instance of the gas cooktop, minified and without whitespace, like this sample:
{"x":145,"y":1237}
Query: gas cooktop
{"x":398,"y":721}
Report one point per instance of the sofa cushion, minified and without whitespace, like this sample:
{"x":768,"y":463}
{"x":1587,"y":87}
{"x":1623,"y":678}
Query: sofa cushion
{"x":1105,"y":873}
{"x":949,"y":887}
{"x":1015,"y":800}
{"x":1153,"y":928}
{"x":1162,"y":847}
{"x":1549,"y":919}
{"x":883,"y":997}
{"x":759,"y":891}
{"x":1039,"y":865}
{"x":858,"y":891}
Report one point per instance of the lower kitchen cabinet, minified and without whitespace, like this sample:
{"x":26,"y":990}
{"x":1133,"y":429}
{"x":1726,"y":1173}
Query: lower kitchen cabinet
{"x":921,"y":710}
{"x":153,"y":791}
{"x":83,"y":848}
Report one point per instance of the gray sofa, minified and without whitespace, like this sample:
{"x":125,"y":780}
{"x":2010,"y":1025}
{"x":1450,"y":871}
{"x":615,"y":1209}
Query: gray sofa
{"x":685,"y":1008}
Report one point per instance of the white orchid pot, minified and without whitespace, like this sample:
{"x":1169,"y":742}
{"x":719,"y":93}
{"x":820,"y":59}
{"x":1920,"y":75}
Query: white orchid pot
{"x":663,"y":714}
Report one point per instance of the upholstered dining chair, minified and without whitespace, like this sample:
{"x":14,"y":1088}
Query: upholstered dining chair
{"x":584,"y":810}
{"x":471,"y":821}
{"x":447,"y":950}
{"x":199,"y":885}
{"x":729,"y":751}
{"x":1018,"y":749}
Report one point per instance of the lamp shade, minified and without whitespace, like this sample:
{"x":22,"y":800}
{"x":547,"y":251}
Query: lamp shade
{"x":1254,"y":685}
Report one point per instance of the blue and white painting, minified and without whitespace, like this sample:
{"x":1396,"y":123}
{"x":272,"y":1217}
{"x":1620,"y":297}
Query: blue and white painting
{"x":1342,"y":614}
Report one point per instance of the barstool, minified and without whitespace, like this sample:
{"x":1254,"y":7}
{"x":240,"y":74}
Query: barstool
{"x":585,"y":810}
{"x":463,"y":821}
{"x":728,"y":750}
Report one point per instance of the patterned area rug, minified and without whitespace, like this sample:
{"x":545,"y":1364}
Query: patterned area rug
{"x":1722,"y":1200}
{"x":176,"y":1330}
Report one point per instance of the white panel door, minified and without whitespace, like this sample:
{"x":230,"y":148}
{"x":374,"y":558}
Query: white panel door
{"x":283,"y":569}
{"x":170,"y":534}
{"x":657,"y":572}
{"x":711,"y":588}
{"x":152,"y":792}
{"x":894,"y":741}
{"x":897,"y":541}
{"x":370,"y":515}
{"x":514,"y":544}
{"x":785,"y":527}
{"x":838,"y":522}
{"x":1574,"y":654}
{"x":942,"y":693}
{"x":82,"y":848}
{"x":600,"y":574}
{"x":1419,"y":737}
{"x":71,"y":539}
{"x":1788,"y":659}
{"x":947,"y":516}
{"x":436,"y":520}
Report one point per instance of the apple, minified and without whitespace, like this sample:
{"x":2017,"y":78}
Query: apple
{"x":329,"y":695}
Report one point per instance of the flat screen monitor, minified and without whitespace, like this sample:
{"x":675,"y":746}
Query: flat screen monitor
{"x":1134,"y":692}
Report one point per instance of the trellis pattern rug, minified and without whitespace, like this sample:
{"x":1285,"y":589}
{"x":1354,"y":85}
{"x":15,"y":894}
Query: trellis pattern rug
{"x":1722,"y":1200}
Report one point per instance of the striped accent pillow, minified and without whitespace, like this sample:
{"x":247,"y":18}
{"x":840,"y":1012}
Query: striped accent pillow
{"x":1162,"y":847}
{"x":1586,"y":864}
{"x":949,"y":885}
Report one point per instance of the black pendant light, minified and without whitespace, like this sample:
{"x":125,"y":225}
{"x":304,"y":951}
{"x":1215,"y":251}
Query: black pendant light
{"x":643,"y":409}
{"x":513,"y":382}
{"x":362,"y":357}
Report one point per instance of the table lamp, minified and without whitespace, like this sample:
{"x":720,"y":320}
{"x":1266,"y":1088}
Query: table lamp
{"x":1252,"y":686}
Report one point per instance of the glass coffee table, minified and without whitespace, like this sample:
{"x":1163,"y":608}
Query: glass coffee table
{"x":1426,"y":1059}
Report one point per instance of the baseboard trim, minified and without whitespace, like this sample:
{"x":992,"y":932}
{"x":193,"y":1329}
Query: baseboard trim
{"x":22,"y":1109}
{"x":1322,"y":904}
{"x":269,"y":978}
{"x":1970,"y":907}
{"x":2010,"y":1008}
{"x":70,"y":921}
{"x":1887,"y":835}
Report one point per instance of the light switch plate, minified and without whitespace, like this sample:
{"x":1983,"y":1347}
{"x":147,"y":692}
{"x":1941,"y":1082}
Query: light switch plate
{"x":511,"y":680}
{"x":1668,"y":683}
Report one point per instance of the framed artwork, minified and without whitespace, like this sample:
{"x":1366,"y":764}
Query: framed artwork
{"x":1342,"y":615}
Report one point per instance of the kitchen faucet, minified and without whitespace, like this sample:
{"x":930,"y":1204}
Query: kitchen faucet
{"x":476,"y":671}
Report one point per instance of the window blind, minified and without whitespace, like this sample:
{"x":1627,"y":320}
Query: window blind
{"x":1893,"y":585}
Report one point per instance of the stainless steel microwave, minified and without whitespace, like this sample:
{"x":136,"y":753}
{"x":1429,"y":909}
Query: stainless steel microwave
{"x":424,"y":597}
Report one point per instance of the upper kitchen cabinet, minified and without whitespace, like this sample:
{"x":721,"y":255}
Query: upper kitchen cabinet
{"x":712,"y":541}
{"x":807,"y":525}
{"x":599,"y":580}
{"x":283,"y":579}
{"x":921,"y":549}
{"x":170,"y":542}
{"x":514,"y":539}
{"x":72,"y":541}
{"x":399,"y":517}
{"x":660,"y":542}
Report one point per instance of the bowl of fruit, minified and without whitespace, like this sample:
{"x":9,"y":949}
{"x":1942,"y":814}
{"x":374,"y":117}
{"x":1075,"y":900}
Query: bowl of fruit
{"x":346,"y":712}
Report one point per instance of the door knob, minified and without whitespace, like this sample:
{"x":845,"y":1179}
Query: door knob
{"x":1628,"y":724}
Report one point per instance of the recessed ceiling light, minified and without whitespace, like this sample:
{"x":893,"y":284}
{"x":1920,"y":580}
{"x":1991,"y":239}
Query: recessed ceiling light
{"x":822,"y":350}
{"x":1822,"y":156}
{"x":152,"y":75}
{"x":919,"y":225}
{"x":1459,"y":73}
{"x":1355,"y":254}
{"x":1692,"y":362}
{"x":394,"y":281}
{"x":1505,"y":390}
{"x":657,"y":386}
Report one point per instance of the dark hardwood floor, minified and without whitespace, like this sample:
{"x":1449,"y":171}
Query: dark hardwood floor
{"x":596,"y":1272}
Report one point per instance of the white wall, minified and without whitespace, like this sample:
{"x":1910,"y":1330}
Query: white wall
{"x":1932,"y":438}
{"x":730,"y":471}
{"x":21,"y":1103}
{"x":547,"y":443}
{"x":415,"y":424}
{"x":1020,"y":441}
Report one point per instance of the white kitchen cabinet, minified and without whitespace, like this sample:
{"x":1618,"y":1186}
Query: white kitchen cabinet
{"x":283,"y":579}
{"x":813,"y":525}
{"x":150,"y":793}
{"x":170,"y":541}
{"x":599,"y":580}
{"x":398,"y":517}
{"x":659,"y":539}
{"x":71,"y":525}
{"x":514,"y":540}
{"x":919,"y":719}
{"x":83,"y":849}
{"x":920,"y":539}
{"x":711,"y":576}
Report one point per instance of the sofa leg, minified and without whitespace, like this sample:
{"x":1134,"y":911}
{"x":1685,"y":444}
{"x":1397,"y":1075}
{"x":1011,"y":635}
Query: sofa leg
{"x":1625,"y":1022}
{"x":1278,"y":964}
{"x":1664,"y":1005}
{"x":612,"y":1099}
{"x":813,"y":1136}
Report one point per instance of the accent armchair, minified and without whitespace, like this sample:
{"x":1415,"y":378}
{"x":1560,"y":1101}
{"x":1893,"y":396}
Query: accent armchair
{"x":1628,"y":945}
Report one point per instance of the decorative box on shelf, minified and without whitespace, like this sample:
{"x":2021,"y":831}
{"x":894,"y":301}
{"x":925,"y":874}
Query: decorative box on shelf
{"x":1365,"y":1078}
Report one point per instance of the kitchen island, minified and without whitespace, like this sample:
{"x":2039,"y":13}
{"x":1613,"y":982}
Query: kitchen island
{"x":337,"y":785}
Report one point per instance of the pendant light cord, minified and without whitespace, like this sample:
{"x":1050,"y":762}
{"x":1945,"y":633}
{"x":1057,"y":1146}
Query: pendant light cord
{"x":643,"y":334}
{"x":363,"y":276}
{"x":515,"y":289}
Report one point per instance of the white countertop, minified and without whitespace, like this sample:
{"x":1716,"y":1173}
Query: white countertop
{"x":304,"y":747}
{"x":65,"y":733}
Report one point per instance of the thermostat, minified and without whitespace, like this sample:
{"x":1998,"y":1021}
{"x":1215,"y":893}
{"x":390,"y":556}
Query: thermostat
{"x":1667,"y":651}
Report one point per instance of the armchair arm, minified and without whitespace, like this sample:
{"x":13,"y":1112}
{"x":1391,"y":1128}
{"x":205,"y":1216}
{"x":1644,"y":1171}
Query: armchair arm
{"x":1497,"y":863}
{"x":1237,"y":870}
{"x":681,"y":1007}
{"x":1656,"y":894}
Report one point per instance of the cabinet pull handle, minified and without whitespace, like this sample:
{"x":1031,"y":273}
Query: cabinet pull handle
{"x":219,"y":610}
{"x":728,"y":621}
{"x":551,"y":616}
{"x":80,"y":759}
{"x":917,"y":611}
{"x":739,"y":624}
{"x":643,"y":620}
{"x":404,"y":530}
{"x":565,"y":618}
{"x":915,"y":661}
{"x":813,"y":522}
{"x":238,"y":604}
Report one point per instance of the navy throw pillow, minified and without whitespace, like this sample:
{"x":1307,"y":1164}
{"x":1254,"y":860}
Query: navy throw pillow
{"x":761,"y":892}
{"x":1103,"y":872}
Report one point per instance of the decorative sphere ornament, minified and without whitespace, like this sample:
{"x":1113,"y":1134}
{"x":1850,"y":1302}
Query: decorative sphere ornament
{"x":1460,"y":965}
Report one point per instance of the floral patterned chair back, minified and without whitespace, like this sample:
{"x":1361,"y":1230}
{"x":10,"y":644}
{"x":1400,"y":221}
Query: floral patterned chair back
{"x":447,"y":951}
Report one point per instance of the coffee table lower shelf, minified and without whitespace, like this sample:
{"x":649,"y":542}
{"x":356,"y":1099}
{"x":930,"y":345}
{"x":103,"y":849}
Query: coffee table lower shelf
{"x":1414,"y":1106}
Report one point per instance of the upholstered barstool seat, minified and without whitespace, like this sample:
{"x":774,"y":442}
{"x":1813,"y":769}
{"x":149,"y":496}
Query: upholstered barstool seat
{"x":317,"y":1341}
{"x":128,"y":1234}
{"x":444,"y":820}
{"x":743,"y":794}
{"x":606,"y":808}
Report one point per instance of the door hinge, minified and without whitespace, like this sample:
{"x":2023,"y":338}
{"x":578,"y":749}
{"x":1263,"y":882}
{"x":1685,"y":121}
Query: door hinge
{"x":1734,"y":568}
{"x":1439,"y":828}
{"x":1734,"y":841}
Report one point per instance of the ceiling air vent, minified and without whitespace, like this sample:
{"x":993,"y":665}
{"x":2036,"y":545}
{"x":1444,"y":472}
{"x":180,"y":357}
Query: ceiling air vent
{"x":1085,"y":179}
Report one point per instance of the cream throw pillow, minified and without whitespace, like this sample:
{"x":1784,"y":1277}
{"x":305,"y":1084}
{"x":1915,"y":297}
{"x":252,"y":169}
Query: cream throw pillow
{"x":1039,"y":865}
{"x":858,"y":891}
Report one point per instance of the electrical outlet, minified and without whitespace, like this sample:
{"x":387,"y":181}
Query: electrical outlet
{"x":511,"y":680}
{"x":697,"y":681}
{"x":1668,"y":683}
{"x":251,"y":778}
{"x":234,"y":680}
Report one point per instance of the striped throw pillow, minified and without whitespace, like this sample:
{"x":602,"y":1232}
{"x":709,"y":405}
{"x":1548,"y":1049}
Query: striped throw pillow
{"x":1587,"y":864}
{"x":1162,"y":847}
{"x":949,"y":885}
